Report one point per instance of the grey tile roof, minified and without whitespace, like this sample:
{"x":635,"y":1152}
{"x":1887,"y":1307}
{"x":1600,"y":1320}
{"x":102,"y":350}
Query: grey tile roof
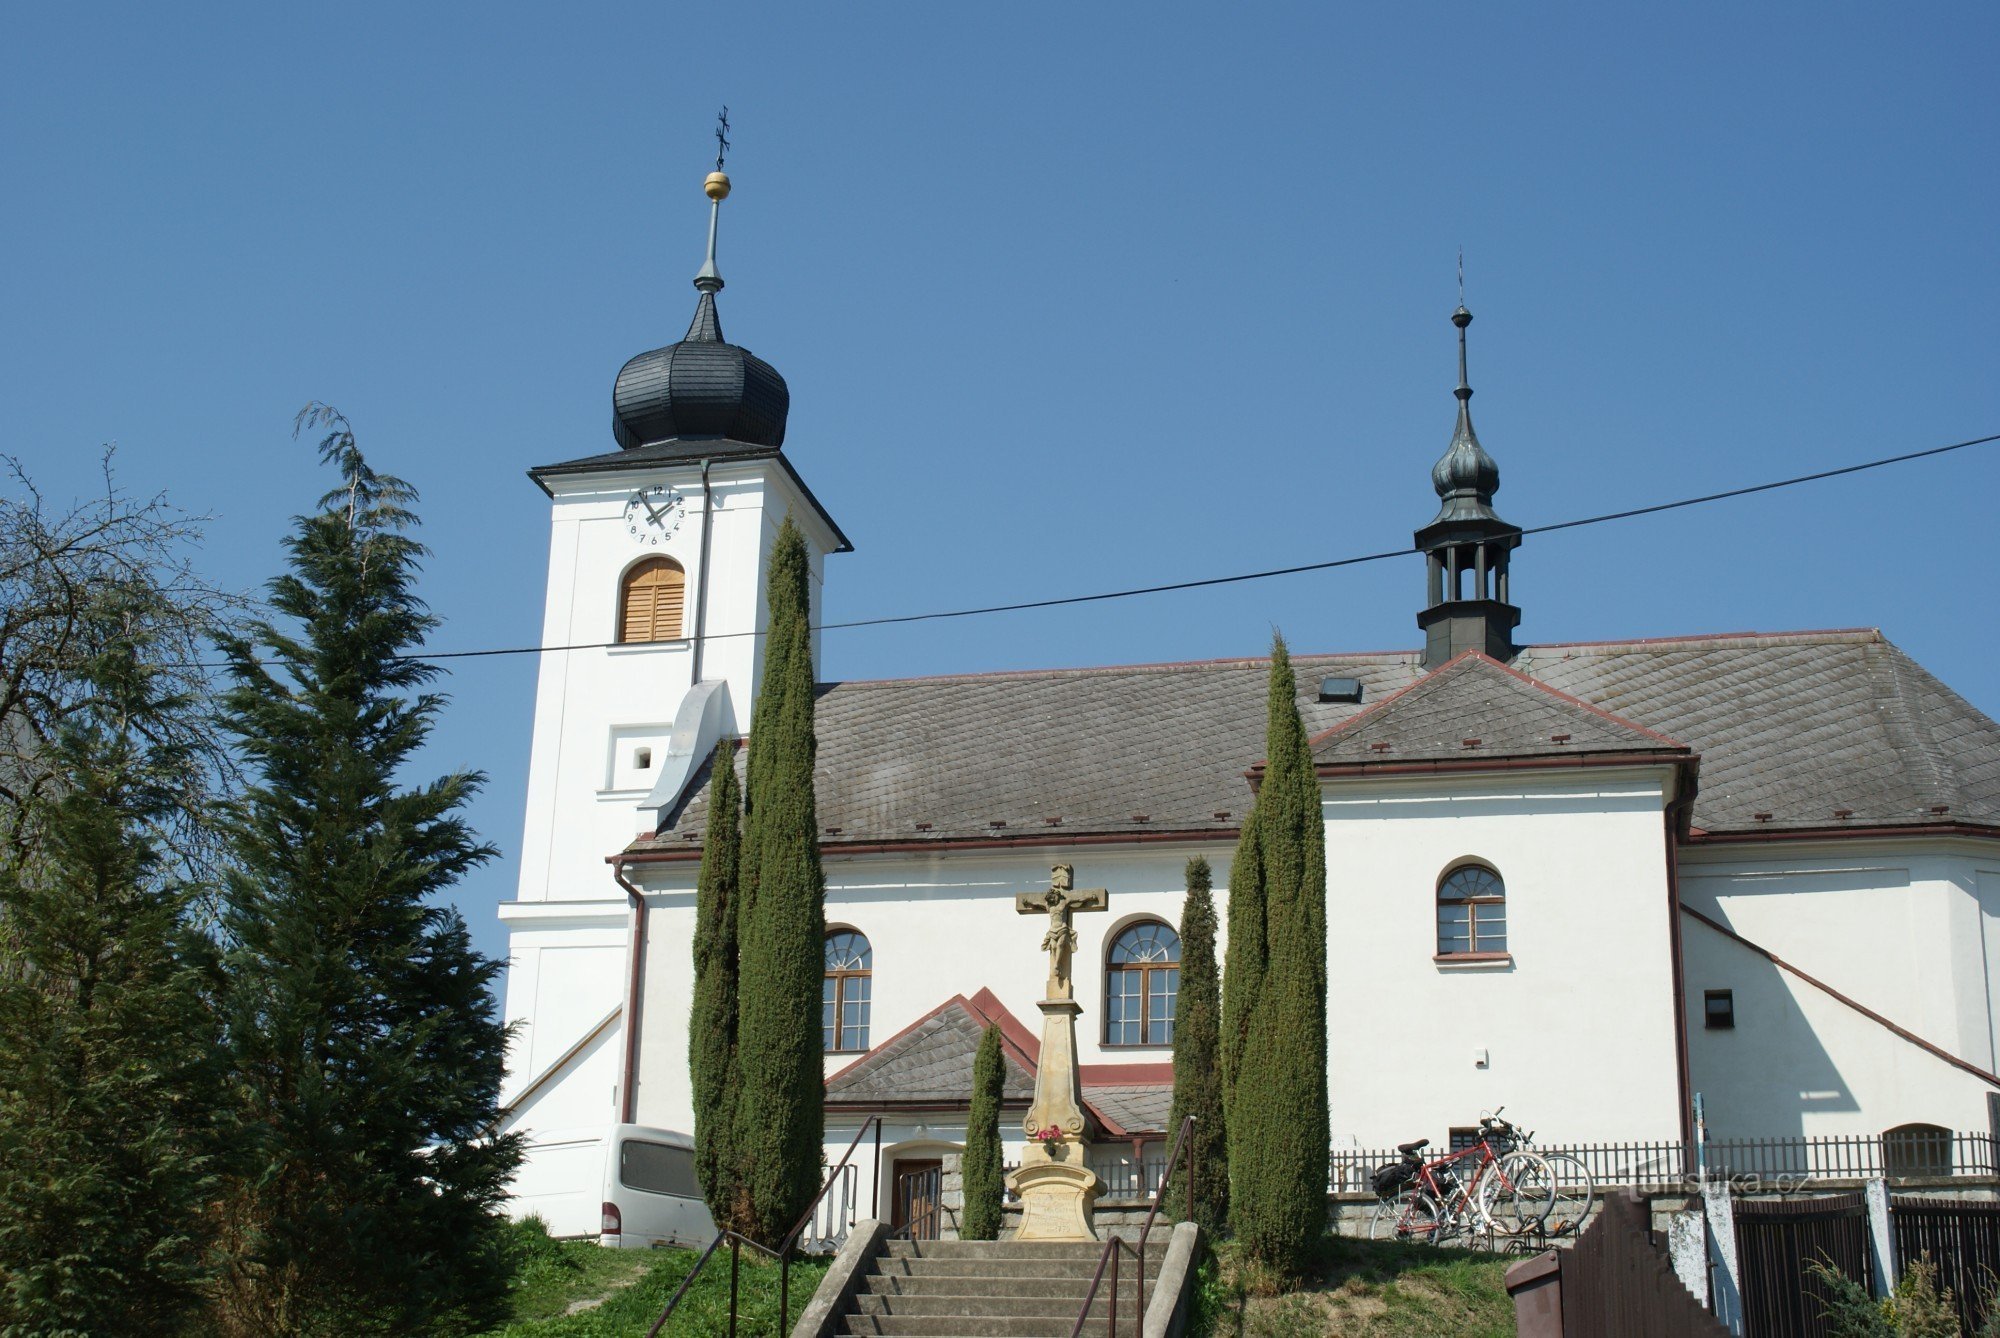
{"x":1474,"y":709}
{"x":1795,"y":725}
{"x":1141,"y":1109}
{"x":930,"y":1062}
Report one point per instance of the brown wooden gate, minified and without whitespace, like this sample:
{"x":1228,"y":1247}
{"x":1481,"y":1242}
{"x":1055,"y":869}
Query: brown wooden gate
{"x":1776,"y":1239}
{"x":1614,"y":1283}
{"x":916,"y":1193}
{"x":1961,"y":1237}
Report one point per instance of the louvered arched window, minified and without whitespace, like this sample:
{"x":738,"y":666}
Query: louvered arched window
{"x":1472,"y":912}
{"x":1142,"y":983}
{"x":651,"y":600}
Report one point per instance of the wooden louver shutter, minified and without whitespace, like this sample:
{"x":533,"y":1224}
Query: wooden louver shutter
{"x":654,"y":593}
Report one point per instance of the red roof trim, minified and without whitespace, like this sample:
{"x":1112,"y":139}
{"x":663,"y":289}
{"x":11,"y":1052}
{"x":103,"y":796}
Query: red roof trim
{"x":1704,"y":836}
{"x":1046,"y":838}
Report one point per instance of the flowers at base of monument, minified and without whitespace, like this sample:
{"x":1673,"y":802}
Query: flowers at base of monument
{"x":1049,"y":1137}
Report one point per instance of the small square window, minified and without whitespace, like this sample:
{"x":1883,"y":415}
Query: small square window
{"x":1719,"y":1009}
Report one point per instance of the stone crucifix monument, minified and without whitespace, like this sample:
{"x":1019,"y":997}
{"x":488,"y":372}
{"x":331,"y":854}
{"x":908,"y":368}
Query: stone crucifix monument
{"x":1055,"y":1187}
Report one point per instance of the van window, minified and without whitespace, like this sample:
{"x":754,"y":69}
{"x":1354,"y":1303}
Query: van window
{"x":657,"y":1168}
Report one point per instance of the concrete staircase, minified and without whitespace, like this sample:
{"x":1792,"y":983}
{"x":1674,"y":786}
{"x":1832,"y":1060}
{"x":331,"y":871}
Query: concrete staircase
{"x":994,"y":1289}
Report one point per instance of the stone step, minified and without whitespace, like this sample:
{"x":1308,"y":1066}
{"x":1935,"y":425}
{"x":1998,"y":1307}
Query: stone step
{"x":1081,"y":1267}
{"x":979,"y":1284}
{"x":967,"y":1307}
{"x":994,"y":1249}
{"x":978,"y":1326}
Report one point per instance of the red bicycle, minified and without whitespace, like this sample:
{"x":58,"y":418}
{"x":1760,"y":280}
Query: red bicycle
{"x":1494,"y":1187}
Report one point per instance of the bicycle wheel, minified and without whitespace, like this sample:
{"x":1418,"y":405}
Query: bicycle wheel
{"x":1571,"y":1194}
{"x":1411,"y":1217}
{"x":1514,"y":1193}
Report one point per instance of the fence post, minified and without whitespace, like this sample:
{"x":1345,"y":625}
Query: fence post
{"x":1725,"y":1273}
{"x":1881,"y":1236}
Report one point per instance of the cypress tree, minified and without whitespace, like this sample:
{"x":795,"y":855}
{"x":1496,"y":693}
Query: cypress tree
{"x":109,"y":1093}
{"x":982,"y":1164}
{"x":1244,"y":973}
{"x":712,"y":1022}
{"x":362,"y":1026}
{"x":1278,"y":1123}
{"x":782,"y":918}
{"x":1197,"y":1066}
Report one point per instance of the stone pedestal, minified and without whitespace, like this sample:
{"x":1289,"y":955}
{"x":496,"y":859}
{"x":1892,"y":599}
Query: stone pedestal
{"x":1057,"y":1193}
{"x":1056,"y":1189}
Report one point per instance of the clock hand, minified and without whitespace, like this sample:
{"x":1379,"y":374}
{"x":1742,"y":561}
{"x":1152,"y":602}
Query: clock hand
{"x":651,"y":514}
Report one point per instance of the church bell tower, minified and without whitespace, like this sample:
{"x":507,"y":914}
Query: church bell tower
{"x":1466,"y":546}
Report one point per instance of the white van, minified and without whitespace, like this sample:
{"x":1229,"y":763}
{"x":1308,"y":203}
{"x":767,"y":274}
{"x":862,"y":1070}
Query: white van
{"x":626,"y":1184}
{"x":651,"y":1196}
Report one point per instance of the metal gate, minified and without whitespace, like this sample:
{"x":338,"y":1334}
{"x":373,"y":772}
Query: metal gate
{"x":1961,"y":1237}
{"x":1776,"y":1239}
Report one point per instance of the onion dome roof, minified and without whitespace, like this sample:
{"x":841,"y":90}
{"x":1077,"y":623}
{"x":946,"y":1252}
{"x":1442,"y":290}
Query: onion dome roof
{"x":1465,"y":476}
{"x":702,"y":386}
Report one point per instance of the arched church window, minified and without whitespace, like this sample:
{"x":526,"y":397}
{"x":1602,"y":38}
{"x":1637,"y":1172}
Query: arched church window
{"x":1472,"y":912}
{"x":1142,"y":981}
{"x":650,"y":601}
{"x":846,"y":991}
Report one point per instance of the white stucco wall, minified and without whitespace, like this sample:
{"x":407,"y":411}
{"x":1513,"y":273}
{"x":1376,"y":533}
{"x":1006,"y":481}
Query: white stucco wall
{"x":1577,"y":1030}
{"x":1909,"y":929}
{"x":939,"y":926}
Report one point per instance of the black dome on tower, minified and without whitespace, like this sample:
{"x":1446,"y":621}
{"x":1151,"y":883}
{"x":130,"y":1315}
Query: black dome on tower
{"x":702,"y":386}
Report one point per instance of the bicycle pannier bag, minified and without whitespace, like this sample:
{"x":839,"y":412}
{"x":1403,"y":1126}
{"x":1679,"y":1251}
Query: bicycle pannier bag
{"x":1391,"y":1176}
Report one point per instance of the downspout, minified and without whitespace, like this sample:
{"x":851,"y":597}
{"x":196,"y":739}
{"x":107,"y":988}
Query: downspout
{"x":627,"y":1105}
{"x":1676,"y":812}
{"x":701,"y":582}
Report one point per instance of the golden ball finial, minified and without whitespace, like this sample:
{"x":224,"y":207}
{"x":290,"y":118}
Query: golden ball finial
{"x":717,"y":186}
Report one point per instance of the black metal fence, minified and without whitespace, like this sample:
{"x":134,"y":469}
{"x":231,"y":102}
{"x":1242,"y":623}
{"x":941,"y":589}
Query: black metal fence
{"x":1962,"y":1238}
{"x":1125,"y":1176}
{"x":1772,"y":1163}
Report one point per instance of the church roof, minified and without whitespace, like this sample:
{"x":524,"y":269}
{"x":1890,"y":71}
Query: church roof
{"x":930,"y":1061}
{"x":1806,"y":732}
{"x":1475,"y":709}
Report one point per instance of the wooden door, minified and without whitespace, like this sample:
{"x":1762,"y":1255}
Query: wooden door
{"x":915,"y":1187}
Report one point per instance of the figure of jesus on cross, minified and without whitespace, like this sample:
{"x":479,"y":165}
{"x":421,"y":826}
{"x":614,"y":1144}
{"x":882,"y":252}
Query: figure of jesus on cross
{"x":1059,"y":903}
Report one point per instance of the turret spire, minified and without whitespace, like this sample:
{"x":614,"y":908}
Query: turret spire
{"x":1466,"y":541}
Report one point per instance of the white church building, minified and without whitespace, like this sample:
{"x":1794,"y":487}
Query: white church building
{"x":1584,"y":882}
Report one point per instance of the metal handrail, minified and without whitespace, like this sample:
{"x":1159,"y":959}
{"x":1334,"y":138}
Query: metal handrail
{"x":736,"y":1244}
{"x":1111,"y":1244}
{"x":784,"y":1252}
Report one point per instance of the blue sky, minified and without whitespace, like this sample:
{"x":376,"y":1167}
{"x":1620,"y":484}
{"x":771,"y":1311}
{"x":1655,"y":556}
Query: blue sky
{"x":1069,"y":298}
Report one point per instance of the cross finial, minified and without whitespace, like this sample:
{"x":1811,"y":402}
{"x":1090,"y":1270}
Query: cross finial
{"x":716,"y":187}
{"x":722,"y":137}
{"x":1461,"y":273}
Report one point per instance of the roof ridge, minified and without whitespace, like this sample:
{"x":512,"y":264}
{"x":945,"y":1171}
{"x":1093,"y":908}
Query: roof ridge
{"x":1916,"y":745}
{"x":1863,"y":634}
{"x":1148,"y":667}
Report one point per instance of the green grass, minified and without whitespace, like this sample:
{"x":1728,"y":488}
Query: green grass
{"x":631,"y":1287}
{"x":1361,"y":1289}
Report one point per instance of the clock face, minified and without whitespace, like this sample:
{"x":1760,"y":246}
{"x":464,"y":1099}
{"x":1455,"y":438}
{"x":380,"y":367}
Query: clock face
{"x":654,"y":513}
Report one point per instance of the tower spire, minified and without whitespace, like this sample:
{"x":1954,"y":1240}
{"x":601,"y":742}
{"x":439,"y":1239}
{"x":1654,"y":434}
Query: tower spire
{"x":707,"y":324}
{"x":1466,"y":542}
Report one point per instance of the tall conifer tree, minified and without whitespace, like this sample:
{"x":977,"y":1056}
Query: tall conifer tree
{"x":782,"y":917}
{"x":1278,"y":1124}
{"x":983,"y":1176}
{"x":362,"y":1027}
{"x":110,"y":1097}
{"x":1243,"y":975}
{"x":1197,"y":1066}
{"x":712,"y":1023}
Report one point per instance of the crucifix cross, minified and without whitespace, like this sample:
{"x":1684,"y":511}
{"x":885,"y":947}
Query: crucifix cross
{"x":1059,"y":903}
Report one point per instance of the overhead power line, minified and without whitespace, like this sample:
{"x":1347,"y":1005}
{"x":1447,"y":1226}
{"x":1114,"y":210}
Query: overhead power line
{"x":1269,"y":573}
